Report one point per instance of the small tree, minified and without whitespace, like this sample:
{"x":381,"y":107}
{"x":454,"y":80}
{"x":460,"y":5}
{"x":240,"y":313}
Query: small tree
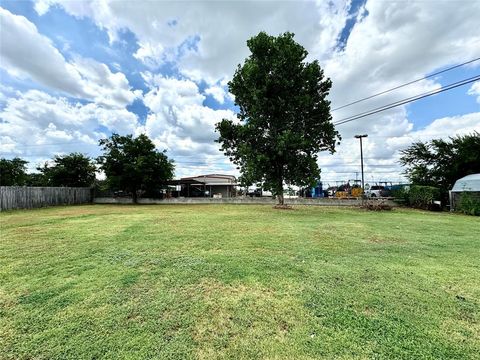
{"x":75,"y":170}
{"x":13,"y":172}
{"x":284,"y":116}
{"x":133,"y":164}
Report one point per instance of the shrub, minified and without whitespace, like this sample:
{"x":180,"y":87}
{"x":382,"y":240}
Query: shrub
{"x":423,"y":197}
{"x":400,"y":194}
{"x":469,"y":204}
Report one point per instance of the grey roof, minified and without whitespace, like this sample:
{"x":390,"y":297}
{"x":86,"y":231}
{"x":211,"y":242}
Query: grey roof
{"x":467,"y":183}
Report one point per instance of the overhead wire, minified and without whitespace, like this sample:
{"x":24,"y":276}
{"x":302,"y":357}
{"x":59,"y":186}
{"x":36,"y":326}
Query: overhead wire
{"x":407,"y":100}
{"x":406,"y":84}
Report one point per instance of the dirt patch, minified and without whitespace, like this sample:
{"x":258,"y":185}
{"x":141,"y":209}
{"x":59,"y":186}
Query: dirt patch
{"x":377,"y":240}
{"x":283,"y":207}
{"x":368,"y":311}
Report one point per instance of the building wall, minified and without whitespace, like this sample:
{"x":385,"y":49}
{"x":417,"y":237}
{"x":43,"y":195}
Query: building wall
{"x":240,"y":200}
{"x":456,"y":198}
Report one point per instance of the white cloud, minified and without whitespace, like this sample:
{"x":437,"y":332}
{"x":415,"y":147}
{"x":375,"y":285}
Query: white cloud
{"x":26,"y":53}
{"x":208,"y":39}
{"x":217,"y":92}
{"x":391,"y":43}
{"x":179,"y":119}
{"x":151,"y":55}
{"x":180,"y":123}
{"x":381,"y":151}
{"x":475,"y":90}
{"x":107,"y":88}
{"x":36,"y":125}
{"x":396,"y":43}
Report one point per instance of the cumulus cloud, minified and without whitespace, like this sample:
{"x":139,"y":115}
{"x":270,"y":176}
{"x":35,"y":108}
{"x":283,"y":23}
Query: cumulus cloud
{"x":217,"y":92}
{"x":475,"y":90}
{"x":26,"y":53}
{"x":392,"y":43}
{"x":36,"y":125}
{"x":208,"y":38}
{"x":179,"y":122}
{"x":389,"y":44}
{"x":381,"y":152}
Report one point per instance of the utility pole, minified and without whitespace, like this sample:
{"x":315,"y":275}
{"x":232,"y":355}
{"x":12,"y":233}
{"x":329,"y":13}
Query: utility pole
{"x":361,"y":161}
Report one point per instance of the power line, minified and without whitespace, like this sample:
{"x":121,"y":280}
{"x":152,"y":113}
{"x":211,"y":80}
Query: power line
{"x":407,"y":100}
{"x":199,"y":163}
{"x":370,"y":172}
{"x":406,"y":84}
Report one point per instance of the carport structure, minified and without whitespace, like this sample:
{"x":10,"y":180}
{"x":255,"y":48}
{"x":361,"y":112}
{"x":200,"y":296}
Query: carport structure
{"x":209,"y":185}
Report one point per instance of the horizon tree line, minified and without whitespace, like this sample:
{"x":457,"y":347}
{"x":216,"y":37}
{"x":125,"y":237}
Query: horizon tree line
{"x":129,"y":163}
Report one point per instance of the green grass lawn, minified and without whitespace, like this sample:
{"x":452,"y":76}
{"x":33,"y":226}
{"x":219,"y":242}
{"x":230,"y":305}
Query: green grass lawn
{"x":238,"y":282}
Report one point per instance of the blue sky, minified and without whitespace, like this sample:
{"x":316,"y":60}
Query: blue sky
{"x":161,"y":68}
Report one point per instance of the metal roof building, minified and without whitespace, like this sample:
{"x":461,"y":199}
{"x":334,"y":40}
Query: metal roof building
{"x":469,"y":184}
{"x":208,"y":185}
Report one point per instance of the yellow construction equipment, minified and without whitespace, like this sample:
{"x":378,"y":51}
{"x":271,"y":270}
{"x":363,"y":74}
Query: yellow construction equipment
{"x":341,"y":194}
{"x":357,"y":192}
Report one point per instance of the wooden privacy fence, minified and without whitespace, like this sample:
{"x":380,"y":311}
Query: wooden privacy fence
{"x":24,"y":197}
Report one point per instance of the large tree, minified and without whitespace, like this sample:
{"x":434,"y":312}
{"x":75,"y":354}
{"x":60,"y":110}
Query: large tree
{"x":441,"y":162}
{"x":284,"y":115}
{"x":75,"y":170}
{"x":133,"y":164}
{"x":13,"y":172}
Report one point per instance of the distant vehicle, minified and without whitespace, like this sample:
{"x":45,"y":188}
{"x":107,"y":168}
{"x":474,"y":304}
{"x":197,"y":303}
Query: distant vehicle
{"x":258,"y":193}
{"x":121,"y":193}
{"x":331,"y":191}
{"x":255,"y":193}
{"x":375,"y":191}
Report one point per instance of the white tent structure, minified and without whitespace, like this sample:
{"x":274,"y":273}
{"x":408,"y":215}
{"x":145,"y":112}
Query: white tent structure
{"x":468,"y":184}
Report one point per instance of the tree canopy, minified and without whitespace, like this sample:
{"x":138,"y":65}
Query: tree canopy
{"x":74,"y":170}
{"x":441,"y":162}
{"x":13,"y":172}
{"x":284,"y":115}
{"x":133,"y":164}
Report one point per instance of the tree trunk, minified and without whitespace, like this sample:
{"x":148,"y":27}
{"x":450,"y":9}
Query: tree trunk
{"x":281,"y":200}
{"x":135,"y":196}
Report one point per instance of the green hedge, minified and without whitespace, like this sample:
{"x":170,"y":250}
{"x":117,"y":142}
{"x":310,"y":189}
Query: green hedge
{"x":423,"y":197}
{"x":469,"y":204}
{"x":401,"y":195}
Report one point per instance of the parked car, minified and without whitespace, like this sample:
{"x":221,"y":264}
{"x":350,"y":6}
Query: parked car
{"x":255,"y":193}
{"x":375,"y":191}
